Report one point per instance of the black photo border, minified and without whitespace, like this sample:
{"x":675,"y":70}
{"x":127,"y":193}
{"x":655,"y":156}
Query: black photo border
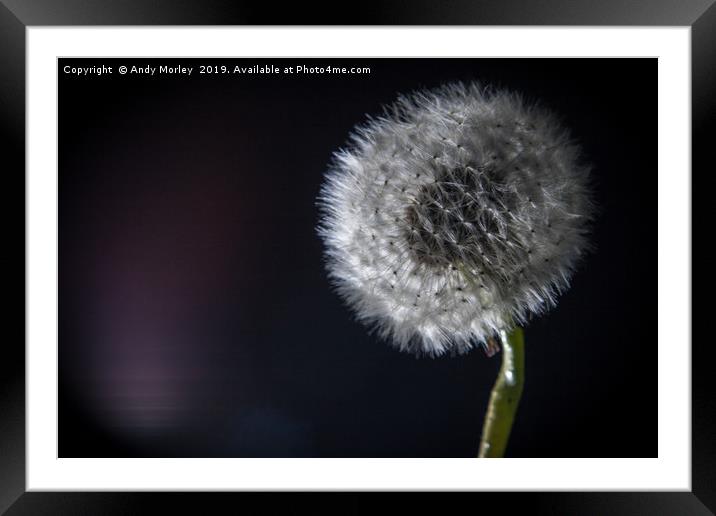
{"x":17,"y":15}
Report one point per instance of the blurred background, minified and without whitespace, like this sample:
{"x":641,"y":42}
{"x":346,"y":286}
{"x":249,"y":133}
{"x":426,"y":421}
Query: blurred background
{"x":195,"y":316}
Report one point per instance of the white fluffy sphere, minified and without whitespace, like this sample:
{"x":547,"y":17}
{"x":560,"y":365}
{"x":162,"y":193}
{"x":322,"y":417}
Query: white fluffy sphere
{"x":457,"y":213}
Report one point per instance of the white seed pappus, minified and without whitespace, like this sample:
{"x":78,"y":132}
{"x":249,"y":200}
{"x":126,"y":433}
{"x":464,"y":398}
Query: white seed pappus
{"x":458,"y":212}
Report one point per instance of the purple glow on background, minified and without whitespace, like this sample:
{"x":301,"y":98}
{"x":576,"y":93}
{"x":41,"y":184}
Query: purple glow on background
{"x":159,"y":267}
{"x":173,"y":284}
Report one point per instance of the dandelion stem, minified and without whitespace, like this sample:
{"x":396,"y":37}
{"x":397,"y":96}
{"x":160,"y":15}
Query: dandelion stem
{"x":505,"y":395}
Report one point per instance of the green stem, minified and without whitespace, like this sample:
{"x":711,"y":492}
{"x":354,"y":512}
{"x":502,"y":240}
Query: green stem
{"x":505,"y":395}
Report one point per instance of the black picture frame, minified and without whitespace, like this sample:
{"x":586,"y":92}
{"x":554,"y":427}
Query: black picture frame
{"x":17,"y":15}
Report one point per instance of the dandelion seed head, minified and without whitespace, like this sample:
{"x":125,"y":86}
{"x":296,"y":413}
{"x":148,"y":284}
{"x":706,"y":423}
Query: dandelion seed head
{"x":458,"y":212}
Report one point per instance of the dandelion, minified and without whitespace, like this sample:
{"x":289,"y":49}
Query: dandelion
{"x":456,"y":214}
{"x":453,"y":218}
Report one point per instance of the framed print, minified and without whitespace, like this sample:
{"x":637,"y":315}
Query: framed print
{"x":358,"y":258}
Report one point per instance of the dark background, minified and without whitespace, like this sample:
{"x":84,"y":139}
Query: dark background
{"x":195,"y":316}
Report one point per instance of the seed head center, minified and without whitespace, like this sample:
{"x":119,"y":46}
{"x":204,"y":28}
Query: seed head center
{"x":455,"y":220}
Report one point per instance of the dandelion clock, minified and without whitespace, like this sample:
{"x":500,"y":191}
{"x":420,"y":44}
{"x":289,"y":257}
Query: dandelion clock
{"x":452,"y":219}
